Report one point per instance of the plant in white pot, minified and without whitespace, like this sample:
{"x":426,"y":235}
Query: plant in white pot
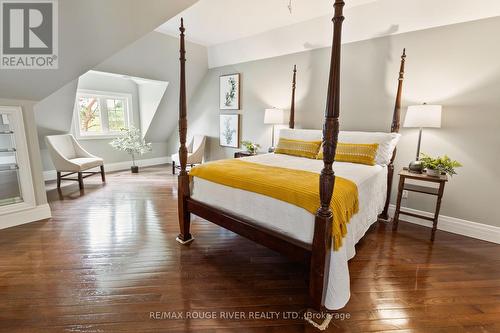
{"x":436,"y":166}
{"x":131,"y":142}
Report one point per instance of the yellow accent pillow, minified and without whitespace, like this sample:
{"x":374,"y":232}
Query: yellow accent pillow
{"x":361,"y":153}
{"x":299,"y":148}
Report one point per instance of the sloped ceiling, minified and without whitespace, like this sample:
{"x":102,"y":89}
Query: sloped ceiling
{"x":237,"y":31}
{"x":154,"y":57}
{"x":211,"y":22}
{"x":89,"y":32}
{"x":53,"y":114}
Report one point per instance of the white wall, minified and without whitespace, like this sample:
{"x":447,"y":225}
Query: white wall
{"x":150,"y":96}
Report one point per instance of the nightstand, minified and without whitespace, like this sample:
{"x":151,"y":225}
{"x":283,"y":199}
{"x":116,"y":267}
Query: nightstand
{"x":435,"y":191}
{"x":242,"y":153}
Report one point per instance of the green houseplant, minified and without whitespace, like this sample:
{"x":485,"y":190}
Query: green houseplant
{"x":131,"y":142}
{"x":250,"y":146}
{"x":436,"y":166}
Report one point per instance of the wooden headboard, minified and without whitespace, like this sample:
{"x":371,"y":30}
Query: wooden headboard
{"x":292,"y":106}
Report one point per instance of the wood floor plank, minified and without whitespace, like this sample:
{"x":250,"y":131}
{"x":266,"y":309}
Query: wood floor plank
{"x":108,"y":260}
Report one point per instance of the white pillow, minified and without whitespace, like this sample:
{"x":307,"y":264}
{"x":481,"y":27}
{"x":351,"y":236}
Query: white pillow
{"x":386,"y":142}
{"x":301,"y":134}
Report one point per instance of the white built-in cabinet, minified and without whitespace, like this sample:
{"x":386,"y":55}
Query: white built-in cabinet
{"x":16,"y":184}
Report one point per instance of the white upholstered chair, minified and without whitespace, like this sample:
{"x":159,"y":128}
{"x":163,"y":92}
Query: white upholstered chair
{"x":68,"y":156}
{"x":196,"y":152}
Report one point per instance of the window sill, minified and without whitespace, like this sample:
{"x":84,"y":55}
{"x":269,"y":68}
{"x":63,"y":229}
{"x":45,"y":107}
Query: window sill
{"x":97,"y":137}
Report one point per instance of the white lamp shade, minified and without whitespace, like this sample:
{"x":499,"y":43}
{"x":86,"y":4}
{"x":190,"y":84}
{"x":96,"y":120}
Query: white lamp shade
{"x":423,"y":116}
{"x":274,"y":116}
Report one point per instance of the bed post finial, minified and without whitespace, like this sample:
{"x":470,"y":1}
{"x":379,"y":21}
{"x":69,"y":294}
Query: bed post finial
{"x":183,"y":179}
{"x":396,"y":117}
{"x":182,"y":102}
{"x":332,"y":112}
{"x":322,"y":240}
{"x":292,"y":106}
{"x":395,"y":125}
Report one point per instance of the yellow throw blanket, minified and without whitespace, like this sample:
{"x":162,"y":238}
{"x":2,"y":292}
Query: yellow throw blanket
{"x":300,"y":188}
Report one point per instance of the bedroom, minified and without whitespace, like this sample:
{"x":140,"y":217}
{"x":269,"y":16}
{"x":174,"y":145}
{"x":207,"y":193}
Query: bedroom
{"x":108,"y":259}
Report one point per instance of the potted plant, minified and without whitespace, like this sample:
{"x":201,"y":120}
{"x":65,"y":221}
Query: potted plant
{"x":440,"y":165}
{"x":250,"y":147}
{"x":131,"y":142}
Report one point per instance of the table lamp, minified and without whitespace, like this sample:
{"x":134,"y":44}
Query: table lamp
{"x":421,"y":116}
{"x":273,"y":117}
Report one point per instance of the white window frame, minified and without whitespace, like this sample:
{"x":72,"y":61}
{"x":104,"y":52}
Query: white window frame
{"x":101,"y":95}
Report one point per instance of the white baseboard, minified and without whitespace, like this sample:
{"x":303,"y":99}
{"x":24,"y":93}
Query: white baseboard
{"x":36,"y":213}
{"x":452,"y":224}
{"x":119,"y":166}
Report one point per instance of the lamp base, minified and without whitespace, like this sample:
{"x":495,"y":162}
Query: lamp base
{"x":271,"y":150}
{"x":416,"y":167}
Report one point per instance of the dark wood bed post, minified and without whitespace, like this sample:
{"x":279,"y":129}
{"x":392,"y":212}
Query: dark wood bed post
{"x":183,"y":178}
{"x":292,"y":106}
{"x":396,"y":122}
{"x":322,"y":240}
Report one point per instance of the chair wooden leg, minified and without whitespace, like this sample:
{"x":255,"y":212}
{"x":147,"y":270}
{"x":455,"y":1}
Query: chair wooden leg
{"x":173,"y":167}
{"x":103,"y":175}
{"x":80,"y":180}
{"x":58,"y":179}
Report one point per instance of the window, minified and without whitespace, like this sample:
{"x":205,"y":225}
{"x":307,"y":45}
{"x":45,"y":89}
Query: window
{"x":101,"y":114}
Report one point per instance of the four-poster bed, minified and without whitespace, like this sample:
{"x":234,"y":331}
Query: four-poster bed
{"x":315,"y":249}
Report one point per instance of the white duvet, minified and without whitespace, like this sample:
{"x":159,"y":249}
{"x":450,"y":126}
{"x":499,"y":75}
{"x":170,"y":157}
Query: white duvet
{"x":298,"y":223}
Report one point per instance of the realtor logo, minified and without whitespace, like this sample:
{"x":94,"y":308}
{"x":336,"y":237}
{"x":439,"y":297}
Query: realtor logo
{"x":29,"y":34}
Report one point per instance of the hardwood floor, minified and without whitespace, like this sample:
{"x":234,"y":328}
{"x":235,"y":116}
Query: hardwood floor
{"x":108,"y":258}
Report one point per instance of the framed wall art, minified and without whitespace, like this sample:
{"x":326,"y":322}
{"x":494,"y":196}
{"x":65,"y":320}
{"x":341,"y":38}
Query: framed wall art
{"x":229,"y":130}
{"x":229,"y":92}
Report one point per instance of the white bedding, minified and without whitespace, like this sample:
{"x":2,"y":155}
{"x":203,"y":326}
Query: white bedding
{"x":298,"y":223}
